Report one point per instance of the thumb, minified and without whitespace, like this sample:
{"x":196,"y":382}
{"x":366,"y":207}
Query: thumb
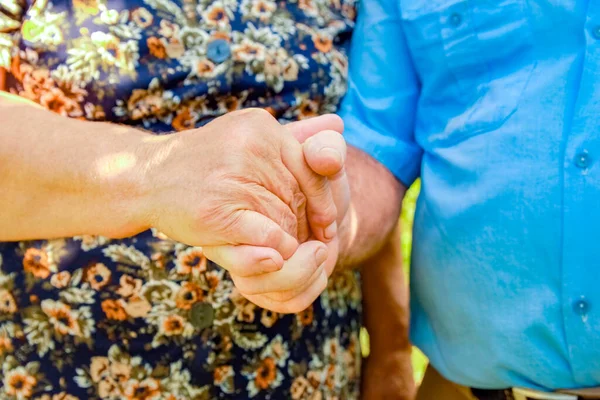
{"x":325,"y":153}
{"x":307,"y":128}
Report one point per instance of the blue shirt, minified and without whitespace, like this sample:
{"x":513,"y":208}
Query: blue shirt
{"x":496,"y":105}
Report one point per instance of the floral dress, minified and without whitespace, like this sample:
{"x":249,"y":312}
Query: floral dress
{"x":147,"y":317}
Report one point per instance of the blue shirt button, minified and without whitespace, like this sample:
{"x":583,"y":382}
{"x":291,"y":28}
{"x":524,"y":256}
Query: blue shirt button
{"x":581,"y":306}
{"x":582,"y":160}
{"x":455,"y":19}
{"x":596,"y":32}
{"x":218,"y":50}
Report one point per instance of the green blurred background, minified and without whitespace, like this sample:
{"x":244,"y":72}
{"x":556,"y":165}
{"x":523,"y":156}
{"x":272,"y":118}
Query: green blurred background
{"x":406,"y":222}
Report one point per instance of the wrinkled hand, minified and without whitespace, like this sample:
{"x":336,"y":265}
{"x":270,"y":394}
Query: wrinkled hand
{"x":240,"y":180}
{"x":304,"y":276}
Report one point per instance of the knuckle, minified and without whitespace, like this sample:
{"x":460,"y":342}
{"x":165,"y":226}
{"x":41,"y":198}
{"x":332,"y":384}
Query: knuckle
{"x":269,"y":235}
{"x":324,"y":215}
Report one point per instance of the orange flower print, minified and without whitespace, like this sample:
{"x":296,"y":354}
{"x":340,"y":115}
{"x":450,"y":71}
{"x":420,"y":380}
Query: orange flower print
{"x":61,"y":279}
{"x":98,"y":276}
{"x":268,"y":318}
{"x":300,"y":387}
{"x":156,"y":47}
{"x":246,"y":313}
{"x":137,"y":307}
{"x":216,"y":15}
{"x":8,"y":304}
{"x":19,"y":383}
{"x":308,"y":109}
{"x":322,"y":43}
{"x":213,"y":279}
{"x":142,"y":17}
{"x":35,"y":83}
{"x":99,"y":368}
{"x":159,"y":259}
{"x":36,"y":263}
{"x":173,"y":325}
{"x":340,"y":62}
{"x":59,"y":396}
{"x":349,"y":11}
{"x":143,"y":103}
{"x":308,"y":6}
{"x":56,"y":101}
{"x":248,"y":51}
{"x":221,"y":373}
{"x":148,"y":389}
{"x":183,"y":120}
{"x":271,"y":111}
{"x":205,"y":68}
{"x":272,"y":65}
{"x":305,"y":317}
{"x":168,"y":30}
{"x":230,"y":103}
{"x":290,"y":70}
{"x":109,"y":389}
{"x":331,"y":375}
{"x":119,"y":371}
{"x":114,"y":310}
{"x":6,"y":345}
{"x":219,"y":35}
{"x":191,"y":261}
{"x":266,"y":373}
{"x":61,"y":317}
{"x":188,"y":295}
{"x":129,"y":286}
{"x":263,"y":9}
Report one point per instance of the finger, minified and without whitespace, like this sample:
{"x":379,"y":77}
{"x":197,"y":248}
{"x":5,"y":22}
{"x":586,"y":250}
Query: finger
{"x":258,"y":198}
{"x":295,"y":272}
{"x":290,"y":294}
{"x":295,"y":305}
{"x":306,"y":128}
{"x":325,"y":153}
{"x":320,"y":207}
{"x":245,"y":260}
{"x":340,"y":189}
{"x":254,"y":229}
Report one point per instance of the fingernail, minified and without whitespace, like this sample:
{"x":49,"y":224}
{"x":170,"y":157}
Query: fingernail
{"x":332,"y":153}
{"x":330,"y":231}
{"x":269,"y":265}
{"x":321,"y":255}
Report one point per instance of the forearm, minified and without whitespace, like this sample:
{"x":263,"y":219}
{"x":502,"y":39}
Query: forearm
{"x":386,"y":318}
{"x":374,"y":210}
{"x":62,"y":177}
{"x":385,"y":298}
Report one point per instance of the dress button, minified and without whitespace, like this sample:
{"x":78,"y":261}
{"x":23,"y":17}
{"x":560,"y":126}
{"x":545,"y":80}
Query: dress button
{"x":202,"y":315}
{"x":455,"y":19}
{"x":596,"y":32}
{"x":581,"y":306}
{"x":218,"y":50}
{"x":582,"y":160}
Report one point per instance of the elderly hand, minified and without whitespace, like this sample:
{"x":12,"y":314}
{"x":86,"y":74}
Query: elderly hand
{"x":304,"y":276}
{"x":240,"y":180}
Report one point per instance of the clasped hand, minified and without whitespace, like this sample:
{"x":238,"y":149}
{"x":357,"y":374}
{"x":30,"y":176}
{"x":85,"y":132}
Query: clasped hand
{"x":263,"y":200}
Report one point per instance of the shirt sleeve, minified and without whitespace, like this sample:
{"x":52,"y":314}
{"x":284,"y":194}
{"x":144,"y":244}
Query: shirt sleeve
{"x":380,"y":105}
{"x":11,"y":14}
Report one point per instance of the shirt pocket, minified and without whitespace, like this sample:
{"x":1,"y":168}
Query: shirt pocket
{"x":474,"y":59}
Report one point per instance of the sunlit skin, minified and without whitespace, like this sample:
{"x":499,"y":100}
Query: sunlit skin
{"x":102,"y":183}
